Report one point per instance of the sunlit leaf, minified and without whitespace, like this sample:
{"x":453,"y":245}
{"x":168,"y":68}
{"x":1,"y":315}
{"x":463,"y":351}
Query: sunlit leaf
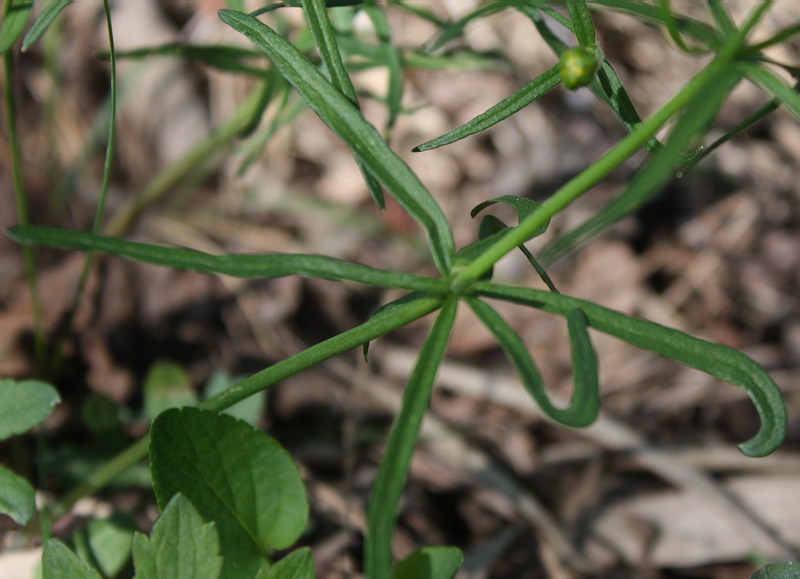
{"x":224,"y":467}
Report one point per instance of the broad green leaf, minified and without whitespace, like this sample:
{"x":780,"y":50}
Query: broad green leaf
{"x":226,"y":468}
{"x":656,"y":173}
{"x":110,"y":543}
{"x":785,"y":570}
{"x":43,"y":22}
{"x":429,"y":563}
{"x":24,"y":404}
{"x":393,"y":471}
{"x":167,"y":385}
{"x":585,"y":404}
{"x":256,"y":265}
{"x":17,"y":498}
{"x":181,"y":544}
{"x":347,"y":122}
{"x":774,"y":86}
{"x":250,"y":410}
{"x":325,"y":39}
{"x":721,"y":361}
{"x":297,"y":565}
{"x":59,"y":562}
{"x":540,"y":86}
{"x":15,"y":17}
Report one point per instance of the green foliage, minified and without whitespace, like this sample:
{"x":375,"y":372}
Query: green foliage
{"x":181,"y":544}
{"x":230,"y":495}
{"x":59,"y":562}
{"x":225,"y":467}
{"x":785,"y":570}
{"x":429,"y":563}
{"x":23,"y":405}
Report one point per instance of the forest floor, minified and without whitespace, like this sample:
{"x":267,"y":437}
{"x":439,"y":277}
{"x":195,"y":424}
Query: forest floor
{"x":655,"y":489}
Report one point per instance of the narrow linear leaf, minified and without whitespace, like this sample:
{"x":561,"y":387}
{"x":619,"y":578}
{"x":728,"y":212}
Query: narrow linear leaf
{"x":347,"y":122}
{"x":181,"y":544}
{"x":585,"y":404}
{"x":393,"y":471}
{"x":783,"y":570}
{"x":392,"y":59}
{"x":219,"y":56}
{"x":256,"y":265}
{"x":15,"y":18}
{"x":43,"y":22}
{"x":722,"y":17}
{"x":24,"y":404}
{"x":774,"y":86}
{"x":456,"y":29}
{"x":582,"y":23}
{"x":650,"y":12}
{"x":297,"y":565}
{"x":655,"y":174}
{"x":59,"y":562}
{"x":17,"y":497}
{"x":721,"y":361}
{"x":522,"y":205}
{"x":429,"y":563}
{"x":325,"y":38}
{"x":671,"y":23}
{"x":540,"y":86}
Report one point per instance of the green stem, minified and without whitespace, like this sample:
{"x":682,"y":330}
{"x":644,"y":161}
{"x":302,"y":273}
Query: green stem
{"x":21,"y":202}
{"x":370,"y":330}
{"x":579,"y":185}
{"x":66,"y":327}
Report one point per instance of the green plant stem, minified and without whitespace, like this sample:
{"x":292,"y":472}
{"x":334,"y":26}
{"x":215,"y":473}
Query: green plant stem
{"x":66,"y":327}
{"x":21,"y":202}
{"x":463,"y":279}
{"x":370,"y":330}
